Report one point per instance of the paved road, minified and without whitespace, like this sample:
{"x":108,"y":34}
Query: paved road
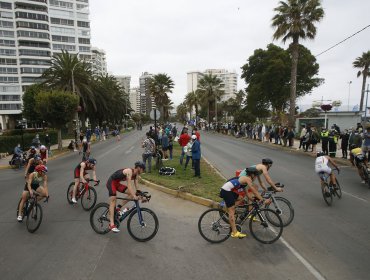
{"x":334,"y":240}
{"x":65,"y":247}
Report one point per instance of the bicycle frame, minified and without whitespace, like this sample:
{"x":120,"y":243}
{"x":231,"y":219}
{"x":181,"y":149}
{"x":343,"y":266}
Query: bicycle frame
{"x":126,"y":214}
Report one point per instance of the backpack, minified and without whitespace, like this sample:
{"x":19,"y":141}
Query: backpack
{"x":167,"y":171}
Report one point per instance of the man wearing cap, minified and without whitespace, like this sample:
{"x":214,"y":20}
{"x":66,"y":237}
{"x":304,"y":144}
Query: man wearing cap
{"x":196,"y":154}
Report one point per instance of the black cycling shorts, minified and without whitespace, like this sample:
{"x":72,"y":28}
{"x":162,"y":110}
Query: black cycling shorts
{"x":229,"y":197}
{"x":34,"y":186}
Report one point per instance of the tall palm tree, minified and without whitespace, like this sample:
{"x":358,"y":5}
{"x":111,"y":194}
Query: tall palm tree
{"x":192,"y":100}
{"x":363,"y":62}
{"x":181,"y":112}
{"x":295,"y":19}
{"x":210,"y":89}
{"x":160,"y":86}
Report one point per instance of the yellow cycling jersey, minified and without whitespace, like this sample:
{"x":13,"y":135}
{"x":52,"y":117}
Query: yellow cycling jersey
{"x":356,"y":151}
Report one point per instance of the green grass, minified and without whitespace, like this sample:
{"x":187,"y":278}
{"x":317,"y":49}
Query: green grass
{"x":208,"y":186}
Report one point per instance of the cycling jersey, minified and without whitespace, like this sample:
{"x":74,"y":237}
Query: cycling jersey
{"x":78,"y":169}
{"x":114,"y":185}
{"x":244,"y":172}
{"x":43,"y":155}
{"x":321,"y":165}
{"x":356,"y":151}
{"x":36,"y":181}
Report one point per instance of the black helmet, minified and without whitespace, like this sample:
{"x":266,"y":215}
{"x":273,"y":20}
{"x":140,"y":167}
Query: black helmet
{"x":252,"y":171}
{"x":92,"y":161}
{"x":37,"y":157}
{"x":267,"y":161}
{"x":320,"y":154}
{"x":353,"y":146}
{"x":140,"y":164}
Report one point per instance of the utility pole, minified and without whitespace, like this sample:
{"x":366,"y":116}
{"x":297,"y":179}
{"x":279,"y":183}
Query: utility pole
{"x":367,"y":95}
{"x":349,"y":92}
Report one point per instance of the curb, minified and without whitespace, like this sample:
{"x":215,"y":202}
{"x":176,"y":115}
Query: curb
{"x":187,"y":196}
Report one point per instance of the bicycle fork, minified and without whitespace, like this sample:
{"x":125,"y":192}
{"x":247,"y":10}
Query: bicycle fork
{"x":277,"y":208}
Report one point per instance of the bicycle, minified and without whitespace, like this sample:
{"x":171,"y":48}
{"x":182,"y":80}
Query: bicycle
{"x":142,"y":223}
{"x":33,"y":211}
{"x":260,"y":225}
{"x":360,"y":160}
{"x":282,"y":206}
{"x":328,"y":190}
{"x":84,"y":191}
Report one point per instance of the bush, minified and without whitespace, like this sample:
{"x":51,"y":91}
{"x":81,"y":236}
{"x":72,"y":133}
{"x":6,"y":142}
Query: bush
{"x":7,"y":143}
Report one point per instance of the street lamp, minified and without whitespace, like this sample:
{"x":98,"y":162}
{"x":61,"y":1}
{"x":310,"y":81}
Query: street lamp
{"x":349,"y":92}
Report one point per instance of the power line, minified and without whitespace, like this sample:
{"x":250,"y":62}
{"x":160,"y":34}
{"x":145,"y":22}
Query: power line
{"x":343,"y":40}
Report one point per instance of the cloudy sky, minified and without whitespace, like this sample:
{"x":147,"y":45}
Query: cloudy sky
{"x":178,"y":36}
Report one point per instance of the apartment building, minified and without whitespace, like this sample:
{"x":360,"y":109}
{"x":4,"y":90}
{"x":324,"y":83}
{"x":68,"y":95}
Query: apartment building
{"x":98,"y":61}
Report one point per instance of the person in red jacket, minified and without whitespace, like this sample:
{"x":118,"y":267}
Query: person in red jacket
{"x":183,"y":141}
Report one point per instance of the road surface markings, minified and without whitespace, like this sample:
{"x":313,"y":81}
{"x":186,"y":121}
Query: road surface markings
{"x":355,"y":196}
{"x":129,"y":150}
{"x":109,"y":151}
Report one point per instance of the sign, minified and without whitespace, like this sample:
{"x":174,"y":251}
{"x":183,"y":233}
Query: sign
{"x":158,"y":114}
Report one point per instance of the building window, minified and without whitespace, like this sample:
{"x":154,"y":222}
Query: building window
{"x":10,"y":106}
{"x":34,"y":44}
{"x":6,"y":24}
{"x":6,"y":70}
{"x":32,"y":34}
{"x":61,"y":14}
{"x":34,"y":53}
{"x":83,"y":24}
{"x":7,"y":43}
{"x":10,"y":97}
{"x":83,"y":16}
{"x":8,"y":61}
{"x":10,"y":88}
{"x":84,"y":49}
{"x":7,"y":52}
{"x":6,"y":14}
{"x":31,"y":16}
{"x":24,"y":61}
{"x":4,"y":33}
{"x":59,"y":47}
{"x":62,"y":21}
{"x":64,"y":39}
{"x":31,"y":70}
{"x":31,"y":80}
{"x":10,"y":80}
{"x":62,"y":4}
{"x":5,"y":5}
{"x":84,"y":41}
{"x":62,"y":30}
{"x":84,"y":32}
{"x":32,"y":25}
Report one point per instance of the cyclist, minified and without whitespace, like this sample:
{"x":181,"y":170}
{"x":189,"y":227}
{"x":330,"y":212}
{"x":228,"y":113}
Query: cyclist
{"x":233,"y":191}
{"x":81,"y":175}
{"x":322,"y":166}
{"x":44,"y":154}
{"x":357,"y":156}
{"x":31,"y":152}
{"x":263,"y":169}
{"x":31,"y":165}
{"x":34,"y":184}
{"x":114,"y":184}
{"x":85,"y":149}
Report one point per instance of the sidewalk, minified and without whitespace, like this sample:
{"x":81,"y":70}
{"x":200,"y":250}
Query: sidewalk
{"x":4,"y":162}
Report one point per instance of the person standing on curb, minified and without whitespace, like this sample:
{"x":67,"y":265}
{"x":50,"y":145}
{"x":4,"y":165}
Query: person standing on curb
{"x":344,"y":143}
{"x":164,"y":145}
{"x":196,"y":155}
{"x":149,"y":150}
{"x":183,"y":141}
{"x":324,"y":141}
{"x":366,"y":143}
{"x":302,"y":135}
{"x":170,"y":145}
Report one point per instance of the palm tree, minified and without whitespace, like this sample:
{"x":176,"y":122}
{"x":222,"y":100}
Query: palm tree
{"x":181,"y":112}
{"x":363,"y":62}
{"x":192,"y":100}
{"x":295,"y":20}
{"x":210,"y":89}
{"x":160,"y":85}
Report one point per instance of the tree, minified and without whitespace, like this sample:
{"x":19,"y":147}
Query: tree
{"x":29,"y":104}
{"x":311,"y":113}
{"x":192,"y":100}
{"x":234,"y":106}
{"x":181,"y":112}
{"x":295,"y":19}
{"x":210,"y":90}
{"x":266,"y":74}
{"x":363,"y":62}
{"x":160,"y":86}
{"x":58,"y":108}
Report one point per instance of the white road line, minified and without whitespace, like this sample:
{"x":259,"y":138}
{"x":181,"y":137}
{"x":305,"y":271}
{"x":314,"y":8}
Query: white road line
{"x":309,"y":267}
{"x":107,"y":152}
{"x":355,"y":196}
{"x":129,"y":150}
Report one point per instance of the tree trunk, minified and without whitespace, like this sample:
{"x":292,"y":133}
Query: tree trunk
{"x":208,"y":116}
{"x":364,"y":76}
{"x":293,"y":82}
{"x":216,"y":108}
{"x":196,"y":115}
{"x":60,"y":143}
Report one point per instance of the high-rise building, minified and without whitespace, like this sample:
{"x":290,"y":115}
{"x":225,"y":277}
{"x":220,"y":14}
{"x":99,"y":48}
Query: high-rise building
{"x":135,"y":99}
{"x":146,"y":99}
{"x":98,"y":61}
{"x":229,"y":81}
{"x":31,"y":31}
{"x":124,"y":81}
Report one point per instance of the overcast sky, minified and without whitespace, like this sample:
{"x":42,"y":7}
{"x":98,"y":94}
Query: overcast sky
{"x":178,"y":36}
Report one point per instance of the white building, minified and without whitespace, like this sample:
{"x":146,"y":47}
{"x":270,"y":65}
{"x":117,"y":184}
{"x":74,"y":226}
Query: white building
{"x":125,"y":82}
{"x":135,"y":99}
{"x":98,"y":61}
{"x":229,"y":81}
{"x":31,"y":31}
{"x":146,"y":99}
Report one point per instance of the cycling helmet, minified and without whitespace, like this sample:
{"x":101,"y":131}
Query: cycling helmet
{"x":252,"y":171}
{"x":267,"y":161}
{"x":41,"y":168}
{"x":33,"y":149}
{"x":320,"y":154}
{"x":140,"y":164}
{"x":92,"y":161}
{"x":37,"y":157}
{"x":353,"y":146}
{"x":42,"y":147}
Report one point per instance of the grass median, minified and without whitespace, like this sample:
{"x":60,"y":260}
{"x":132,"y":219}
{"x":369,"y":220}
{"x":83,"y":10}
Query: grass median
{"x":208,"y":186}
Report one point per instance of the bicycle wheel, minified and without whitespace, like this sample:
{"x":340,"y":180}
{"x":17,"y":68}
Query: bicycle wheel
{"x":99,"y":218}
{"x":145,"y":230}
{"x":366,"y":173}
{"x":88,"y":198}
{"x":338,"y":189}
{"x":212,"y":227}
{"x":283,"y":208}
{"x":262,"y":229}
{"x":327,"y":195}
{"x":70,"y":193}
{"x":34,"y":218}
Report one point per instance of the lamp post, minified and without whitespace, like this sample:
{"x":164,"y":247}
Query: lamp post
{"x":74,"y":91}
{"x":349,"y":92}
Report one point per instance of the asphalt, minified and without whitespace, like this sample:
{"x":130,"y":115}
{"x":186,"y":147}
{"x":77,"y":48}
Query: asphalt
{"x":334,"y":241}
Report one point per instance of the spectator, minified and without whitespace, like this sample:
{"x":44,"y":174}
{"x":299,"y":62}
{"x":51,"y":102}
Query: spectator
{"x":88,"y":135}
{"x":196,"y":155}
{"x":302,"y":136}
{"x":149,"y":149}
{"x":325,"y":141}
{"x":197,"y":134}
{"x":285,"y":135}
{"x":366,"y":143}
{"x":164,"y":144}
{"x":344,"y":143}
{"x":188,"y":151}
{"x":315,"y":138}
{"x":291,"y":137}
{"x":183,"y":141}
{"x":174,"y":131}
{"x":332,"y":143}
{"x":36,"y":141}
{"x":47,"y":141}
{"x":170,"y":145}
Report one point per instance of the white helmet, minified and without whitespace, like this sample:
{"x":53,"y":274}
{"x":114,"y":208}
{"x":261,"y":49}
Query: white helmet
{"x":42,"y":147}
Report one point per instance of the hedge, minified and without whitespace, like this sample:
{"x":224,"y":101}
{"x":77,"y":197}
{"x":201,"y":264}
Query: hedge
{"x":7,"y":143}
